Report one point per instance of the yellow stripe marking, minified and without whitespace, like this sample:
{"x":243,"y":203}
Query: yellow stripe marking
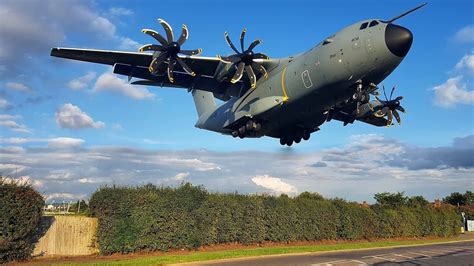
{"x":285,"y":96}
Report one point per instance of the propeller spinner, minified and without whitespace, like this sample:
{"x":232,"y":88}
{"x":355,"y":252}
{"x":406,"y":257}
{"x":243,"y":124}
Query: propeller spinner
{"x":168,"y":50}
{"x":245,"y":60}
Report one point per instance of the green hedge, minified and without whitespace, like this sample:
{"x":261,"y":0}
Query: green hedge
{"x":150,"y":218}
{"x":20,"y":216}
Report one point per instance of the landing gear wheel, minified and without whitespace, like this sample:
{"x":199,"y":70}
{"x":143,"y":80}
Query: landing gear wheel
{"x":249,"y":125}
{"x":282,"y":141}
{"x":297,"y":139}
{"x":289,"y":142}
{"x":306,"y":134}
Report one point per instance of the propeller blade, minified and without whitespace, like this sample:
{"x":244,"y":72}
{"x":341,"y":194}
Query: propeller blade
{"x":390,"y":118}
{"x":260,"y":69}
{"x":253,"y":44}
{"x":229,"y":59}
{"x":397,"y":116}
{"x":251,"y":75}
{"x":151,"y":47}
{"x":184,"y":35}
{"x":170,"y":69}
{"x":157,"y":61}
{"x":229,"y":42}
{"x":242,"y":36}
{"x":401,"y":109}
{"x":384,"y":93}
{"x":260,"y":56}
{"x":391,"y":93}
{"x":238,"y":74}
{"x":156,"y":36}
{"x":168,"y":30}
{"x":191,"y":52}
{"x":185,"y":66}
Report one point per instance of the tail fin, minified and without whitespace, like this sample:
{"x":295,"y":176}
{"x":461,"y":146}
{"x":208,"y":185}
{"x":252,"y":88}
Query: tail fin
{"x":204,"y":101}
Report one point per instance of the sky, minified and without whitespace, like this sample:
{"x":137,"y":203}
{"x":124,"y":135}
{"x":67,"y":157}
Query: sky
{"x":70,"y":127}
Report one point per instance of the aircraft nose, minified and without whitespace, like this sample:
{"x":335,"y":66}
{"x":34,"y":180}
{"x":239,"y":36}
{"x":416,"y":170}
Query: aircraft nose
{"x":398,"y":39}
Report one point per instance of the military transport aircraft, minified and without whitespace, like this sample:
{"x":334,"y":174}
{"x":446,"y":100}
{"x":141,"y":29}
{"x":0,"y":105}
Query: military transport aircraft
{"x":286,"y":98}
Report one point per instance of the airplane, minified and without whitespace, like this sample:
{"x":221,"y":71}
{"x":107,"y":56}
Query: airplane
{"x":285,"y":98}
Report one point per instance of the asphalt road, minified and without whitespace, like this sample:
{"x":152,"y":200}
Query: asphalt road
{"x":459,"y":253}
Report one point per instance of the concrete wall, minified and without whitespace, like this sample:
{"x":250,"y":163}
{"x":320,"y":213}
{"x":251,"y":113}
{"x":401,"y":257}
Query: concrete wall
{"x":67,"y":236}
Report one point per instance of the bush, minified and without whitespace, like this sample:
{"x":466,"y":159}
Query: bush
{"x":152,"y":218}
{"x":20,"y":216}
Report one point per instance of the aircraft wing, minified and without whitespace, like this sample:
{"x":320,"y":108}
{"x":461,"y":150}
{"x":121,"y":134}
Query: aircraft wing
{"x":201,"y":65}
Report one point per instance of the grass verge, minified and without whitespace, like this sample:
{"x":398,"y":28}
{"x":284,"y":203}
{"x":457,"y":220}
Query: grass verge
{"x":195,"y":256}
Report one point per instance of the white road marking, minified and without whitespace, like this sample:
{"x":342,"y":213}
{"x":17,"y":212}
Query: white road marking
{"x":328,"y":263}
{"x":403,"y":256}
{"x":434,"y":252}
{"x":360,"y":262}
{"x":419,"y":254}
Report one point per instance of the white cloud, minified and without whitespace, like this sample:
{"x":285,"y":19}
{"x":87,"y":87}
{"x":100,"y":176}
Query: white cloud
{"x":60,"y":142}
{"x":81,"y":82}
{"x":119,"y":11}
{"x":8,"y":122}
{"x":4,"y":104}
{"x":87,"y":181}
{"x":466,"y":63}
{"x":275,"y":184}
{"x":71,"y":116}
{"x":181,"y":176}
{"x":465,"y":35}
{"x":64,"y":142}
{"x":11,"y":169}
{"x":453,"y":92}
{"x":128,"y":44}
{"x":64,"y":196}
{"x":9,"y":117}
{"x":110,"y":82}
{"x":17,"y":86}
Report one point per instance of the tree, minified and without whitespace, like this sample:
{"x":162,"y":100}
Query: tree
{"x":391,"y":200}
{"x":417,"y":201}
{"x":458,"y":199}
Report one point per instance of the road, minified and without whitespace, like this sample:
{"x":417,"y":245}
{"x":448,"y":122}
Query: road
{"x":458,"y":253}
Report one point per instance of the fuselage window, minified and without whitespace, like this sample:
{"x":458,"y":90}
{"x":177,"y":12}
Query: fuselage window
{"x":373,"y":23}
{"x":364,"y":25}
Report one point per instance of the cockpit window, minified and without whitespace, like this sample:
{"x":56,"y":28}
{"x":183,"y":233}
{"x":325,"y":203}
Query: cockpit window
{"x":329,"y":39}
{"x":373,"y":23}
{"x":364,"y":25}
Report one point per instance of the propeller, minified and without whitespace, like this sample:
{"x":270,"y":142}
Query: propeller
{"x":168,"y":49}
{"x":389,"y":107}
{"x":245,"y":60}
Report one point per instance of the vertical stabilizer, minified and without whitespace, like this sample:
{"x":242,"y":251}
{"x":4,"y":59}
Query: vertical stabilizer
{"x":204,"y":101}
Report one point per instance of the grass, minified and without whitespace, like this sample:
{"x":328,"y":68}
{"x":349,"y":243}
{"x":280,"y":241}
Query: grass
{"x":253,"y":252}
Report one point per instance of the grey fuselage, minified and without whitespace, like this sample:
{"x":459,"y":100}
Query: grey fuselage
{"x":311,"y":83}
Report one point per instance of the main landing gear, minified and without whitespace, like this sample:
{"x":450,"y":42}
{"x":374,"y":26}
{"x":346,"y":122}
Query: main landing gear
{"x":296,"y":137}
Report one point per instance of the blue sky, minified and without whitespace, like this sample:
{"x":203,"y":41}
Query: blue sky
{"x":69,"y":159}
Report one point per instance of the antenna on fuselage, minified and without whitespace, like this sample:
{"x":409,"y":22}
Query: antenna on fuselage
{"x":406,"y":13}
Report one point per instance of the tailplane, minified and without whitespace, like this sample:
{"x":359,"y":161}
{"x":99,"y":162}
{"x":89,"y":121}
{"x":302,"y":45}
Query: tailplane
{"x":204,"y":101}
